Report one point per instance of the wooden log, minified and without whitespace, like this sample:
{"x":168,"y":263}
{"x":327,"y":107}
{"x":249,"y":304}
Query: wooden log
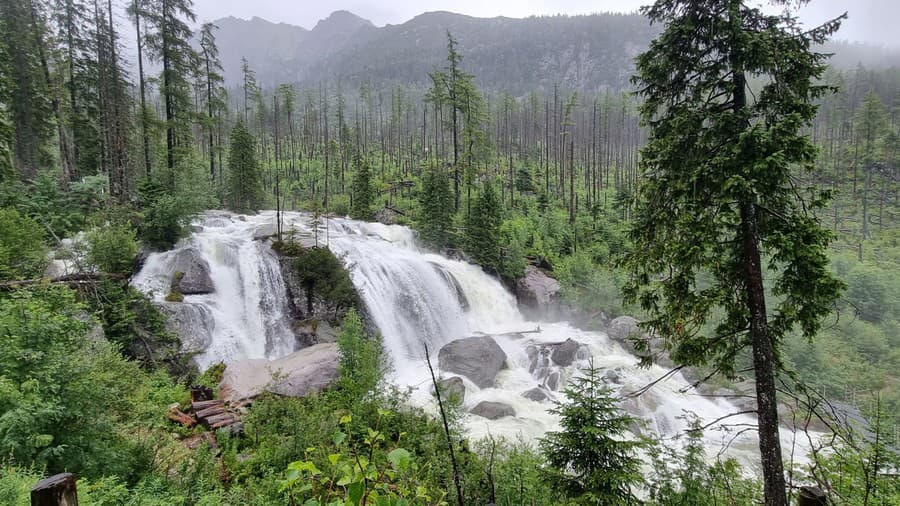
{"x":223,"y":423}
{"x":201,"y":405}
{"x":213,"y":420}
{"x":70,"y":279}
{"x":210,"y":411}
{"x":57,"y":490}
{"x":177,"y":416}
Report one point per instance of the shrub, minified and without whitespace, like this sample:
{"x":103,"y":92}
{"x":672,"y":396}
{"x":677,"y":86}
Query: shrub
{"x":112,"y":248}
{"x":23,"y":253}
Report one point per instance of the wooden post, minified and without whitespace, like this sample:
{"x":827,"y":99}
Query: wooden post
{"x":58,"y":490}
{"x":812,"y":496}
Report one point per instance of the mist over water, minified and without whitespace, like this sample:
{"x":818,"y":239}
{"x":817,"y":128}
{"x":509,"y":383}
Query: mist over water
{"x":418,"y":298}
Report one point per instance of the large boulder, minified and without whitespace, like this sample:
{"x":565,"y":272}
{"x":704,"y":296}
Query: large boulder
{"x":493,"y":410}
{"x":538,"y":292}
{"x":536,"y":394}
{"x":191,"y":273}
{"x":623,"y":328}
{"x":299,"y":374}
{"x":478,"y":358}
{"x":192,"y":323}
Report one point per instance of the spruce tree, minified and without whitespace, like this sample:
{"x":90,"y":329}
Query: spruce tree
{"x":718,"y":195}
{"x":590,"y":459}
{"x":245,"y":191}
{"x":436,"y":204}
{"x":483,"y":229}
{"x":363,"y":190}
{"x":214,"y":88}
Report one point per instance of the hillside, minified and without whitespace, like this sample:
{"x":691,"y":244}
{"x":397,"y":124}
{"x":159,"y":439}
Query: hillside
{"x":585,"y":53}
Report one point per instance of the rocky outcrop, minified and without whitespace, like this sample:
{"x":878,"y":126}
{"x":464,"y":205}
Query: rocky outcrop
{"x":191,"y":273}
{"x":192,"y":323}
{"x":493,"y":410}
{"x":299,"y":374}
{"x":538,"y":293}
{"x":478,"y":358}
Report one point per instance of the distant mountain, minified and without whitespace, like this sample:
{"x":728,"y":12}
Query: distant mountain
{"x":587,"y":53}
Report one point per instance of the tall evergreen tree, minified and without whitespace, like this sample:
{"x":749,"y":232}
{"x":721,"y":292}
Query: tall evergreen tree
{"x":718,"y":195}
{"x":483,"y":229}
{"x":436,"y":204}
{"x":363,"y":189}
{"x":169,"y":43}
{"x":214,"y":88}
{"x":245,"y":191}
{"x":30,"y":97}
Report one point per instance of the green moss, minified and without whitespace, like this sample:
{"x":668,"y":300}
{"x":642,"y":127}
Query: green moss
{"x":175,"y":296}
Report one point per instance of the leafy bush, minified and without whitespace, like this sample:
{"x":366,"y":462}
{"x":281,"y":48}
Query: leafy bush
{"x":361,"y":367}
{"x":23,"y":253}
{"x":64,"y":399}
{"x":112,"y":248}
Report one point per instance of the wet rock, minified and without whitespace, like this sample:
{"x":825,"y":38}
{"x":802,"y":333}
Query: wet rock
{"x":192,"y":323}
{"x":493,"y":410}
{"x":564,"y":354}
{"x":478,"y":358}
{"x":552,"y":381}
{"x":538,"y":292}
{"x":623,"y":328}
{"x":310,"y":332}
{"x":453,"y":388}
{"x":536,"y":394}
{"x":611,"y":376}
{"x":264,"y":231}
{"x":299,"y":374}
{"x":387,"y":216}
{"x":191,"y":273}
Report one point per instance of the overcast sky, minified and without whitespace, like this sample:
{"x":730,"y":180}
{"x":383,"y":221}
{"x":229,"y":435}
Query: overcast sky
{"x":870,"y":20}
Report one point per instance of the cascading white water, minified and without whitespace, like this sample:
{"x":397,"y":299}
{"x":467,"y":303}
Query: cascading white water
{"x":416,"y":298}
{"x":247,"y":315}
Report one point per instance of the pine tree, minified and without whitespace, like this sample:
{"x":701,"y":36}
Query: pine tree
{"x":718,"y":195}
{"x":363,"y":190}
{"x":169,"y":43}
{"x":436,"y":204}
{"x":214,"y":88}
{"x":589,"y":458}
{"x":245,"y":191}
{"x":483,"y":229}
{"x":30,"y":102}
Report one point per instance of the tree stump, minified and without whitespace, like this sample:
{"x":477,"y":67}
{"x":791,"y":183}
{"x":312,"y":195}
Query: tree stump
{"x":812,"y":496}
{"x":201,"y":393}
{"x":58,"y":490}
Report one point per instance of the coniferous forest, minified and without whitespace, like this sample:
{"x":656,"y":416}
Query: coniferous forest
{"x":730,"y":193}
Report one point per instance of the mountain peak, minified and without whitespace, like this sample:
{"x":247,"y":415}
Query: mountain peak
{"x":340,"y":21}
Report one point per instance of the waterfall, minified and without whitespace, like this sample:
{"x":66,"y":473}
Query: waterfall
{"x":247,"y":314}
{"x":417,"y":298}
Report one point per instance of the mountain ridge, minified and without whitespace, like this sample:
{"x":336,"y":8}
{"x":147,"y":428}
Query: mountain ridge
{"x":587,"y":52}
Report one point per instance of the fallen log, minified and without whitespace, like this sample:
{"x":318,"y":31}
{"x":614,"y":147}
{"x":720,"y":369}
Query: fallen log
{"x":213,"y":420}
{"x":210,"y":411}
{"x":201,"y":405}
{"x":177,"y":416}
{"x":69,"y":279}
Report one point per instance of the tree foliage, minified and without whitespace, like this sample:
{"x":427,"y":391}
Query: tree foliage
{"x":591,"y":460}
{"x":719,"y":193}
{"x":245,"y":192}
{"x":483,"y":229}
{"x":363,"y":192}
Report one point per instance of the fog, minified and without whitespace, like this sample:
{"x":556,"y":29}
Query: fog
{"x":871,"y":21}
